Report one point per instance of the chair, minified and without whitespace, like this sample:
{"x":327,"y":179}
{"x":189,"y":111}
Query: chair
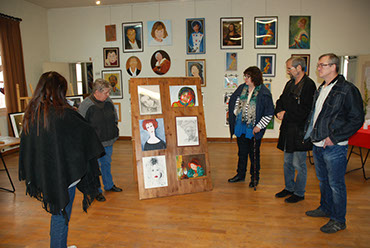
{"x":20,"y":98}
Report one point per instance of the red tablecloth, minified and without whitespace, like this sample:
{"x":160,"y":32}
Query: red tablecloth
{"x":360,"y":139}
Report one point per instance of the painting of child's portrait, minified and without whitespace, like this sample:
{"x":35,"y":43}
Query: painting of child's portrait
{"x":231,"y":33}
{"x":133,"y":66}
{"x":184,"y":96}
{"x":160,"y":62}
{"x":111,"y":57}
{"x":195,"y":36}
{"x":149,"y":99}
{"x":196,"y":68}
{"x":187,"y":131}
{"x":152,"y":134}
{"x":231,"y":61}
{"x":265,"y":32}
{"x":190,"y":166}
{"x":159,"y":33}
{"x":155,"y":172}
{"x":132,"y":37}
{"x":299,"y":32}
{"x":266,"y":62}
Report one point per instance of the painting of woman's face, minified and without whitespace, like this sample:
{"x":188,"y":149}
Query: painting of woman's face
{"x":150,"y":127}
{"x":194,"y":71}
{"x":159,"y":33}
{"x":193,"y":166}
{"x":185,"y":97}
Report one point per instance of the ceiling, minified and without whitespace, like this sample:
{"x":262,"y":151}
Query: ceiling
{"x":50,"y":4}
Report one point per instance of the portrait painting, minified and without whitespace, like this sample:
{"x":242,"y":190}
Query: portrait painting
{"x":149,"y":99}
{"x":187,"y":131}
{"x":299,"y":32}
{"x":231,"y":32}
{"x":111,"y":57}
{"x":159,"y":33}
{"x":110,"y":33}
{"x":306,"y":57}
{"x":195,"y":36}
{"x":132,"y":37}
{"x":231,"y":61}
{"x":16,"y":121}
{"x":152,"y":134}
{"x":190,"y":166}
{"x":184,"y":96}
{"x":155,"y":172}
{"x":160,"y":62}
{"x":196,"y":68}
{"x":75,"y":101}
{"x":115,"y":80}
{"x":117,"y":106}
{"x":231,"y":81}
{"x":266,"y":62}
{"x":133,"y":66}
{"x":265,"y":32}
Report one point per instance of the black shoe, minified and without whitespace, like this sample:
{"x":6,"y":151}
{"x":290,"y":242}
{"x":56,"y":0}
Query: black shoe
{"x":283,"y":193}
{"x":294,"y":199}
{"x":115,"y":189}
{"x":100,"y":197}
{"x":251,"y":184}
{"x":333,"y":226}
{"x":317,"y":213}
{"x":236,"y":179}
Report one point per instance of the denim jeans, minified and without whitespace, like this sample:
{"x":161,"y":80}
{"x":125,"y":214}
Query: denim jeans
{"x":58,"y":227}
{"x":104,"y":163}
{"x":246,"y":148}
{"x":295,"y":161}
{"x":331,"y":165}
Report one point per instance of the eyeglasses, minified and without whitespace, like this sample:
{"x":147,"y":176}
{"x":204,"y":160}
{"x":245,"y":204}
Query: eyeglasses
{"x":246,"y":76}
{"x":321,"y":65}
{"x":290,"y":68}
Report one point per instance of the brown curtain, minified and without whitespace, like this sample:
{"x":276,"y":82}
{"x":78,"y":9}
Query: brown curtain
{"x":13,"y":64}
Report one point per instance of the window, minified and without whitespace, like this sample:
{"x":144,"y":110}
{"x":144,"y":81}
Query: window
{"x":2,"y":96}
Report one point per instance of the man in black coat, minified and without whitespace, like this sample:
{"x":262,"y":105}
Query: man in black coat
{"x":293,"y":108}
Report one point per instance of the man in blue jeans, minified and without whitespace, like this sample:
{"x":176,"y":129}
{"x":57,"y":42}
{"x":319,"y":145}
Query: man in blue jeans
{"x":337,"y":113}
{"x":99,"y":111}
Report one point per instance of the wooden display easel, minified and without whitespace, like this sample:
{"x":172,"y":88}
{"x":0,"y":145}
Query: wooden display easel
{"x":169,"y":114}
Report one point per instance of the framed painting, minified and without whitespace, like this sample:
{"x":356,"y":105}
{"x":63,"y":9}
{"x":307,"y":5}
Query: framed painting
{"x":231,"y":81}
{"x":265,"y":32}
{"x":159,"y":33}
{"x":306,"y":57}
{"x":196,"y":68}
{"x":152,"y":134}
{"x":231,"y":61}
{"x":231,"y":32}
{"x":190,"y":166}
{"x":75,"y":101}
{"x":133,"y":66}
{"x":195,"y":36}
{"x":187,"y":131}
{"x":184,"y":96}
{"x":132,"y":37}
{"x":16,"y":121}
{"x":299,"y":32}
{"x":155,"y":172}
{"x":266,"y":62}
{"x":111,"y":57}
{"x":160,"y":62}
{"x":117,"y":106}
{"x":149,"y":99}
{"x":115,"y":80}
{"x":110,"y":33}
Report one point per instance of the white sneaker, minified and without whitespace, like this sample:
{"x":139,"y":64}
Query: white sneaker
{"x":72,"y":246}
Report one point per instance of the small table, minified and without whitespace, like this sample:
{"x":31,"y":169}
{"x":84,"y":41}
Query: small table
{"x":5,"y":142}
{"x":361,"y":139}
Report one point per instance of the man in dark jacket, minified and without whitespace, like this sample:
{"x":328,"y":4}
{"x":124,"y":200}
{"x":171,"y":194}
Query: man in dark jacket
{"x":293,"y":108}
{"x":337,"y":113}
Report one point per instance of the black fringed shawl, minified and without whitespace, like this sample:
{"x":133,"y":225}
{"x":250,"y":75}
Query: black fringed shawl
{"x":51,"y":160}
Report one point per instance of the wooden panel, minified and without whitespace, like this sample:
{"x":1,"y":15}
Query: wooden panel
{"x":169,"y":114}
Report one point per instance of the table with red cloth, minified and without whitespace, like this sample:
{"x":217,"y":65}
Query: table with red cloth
{"x":361,"y":139}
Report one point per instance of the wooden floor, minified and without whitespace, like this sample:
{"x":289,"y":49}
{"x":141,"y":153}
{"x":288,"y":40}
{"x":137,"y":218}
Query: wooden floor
{"x":231,"y":215}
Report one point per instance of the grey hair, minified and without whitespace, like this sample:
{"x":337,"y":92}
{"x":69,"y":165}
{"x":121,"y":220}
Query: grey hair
{"x":333,"y":59}
{"x":100,"y":84}
{"x":296,"y":61}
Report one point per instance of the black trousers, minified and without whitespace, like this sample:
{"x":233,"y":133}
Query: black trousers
{"x":246,"y":148}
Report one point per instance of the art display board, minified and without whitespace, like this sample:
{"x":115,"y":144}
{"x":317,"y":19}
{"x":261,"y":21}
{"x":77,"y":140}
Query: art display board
{"x":169,"y":139}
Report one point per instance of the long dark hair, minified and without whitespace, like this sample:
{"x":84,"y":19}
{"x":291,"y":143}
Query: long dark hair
{"x":50,"y":92}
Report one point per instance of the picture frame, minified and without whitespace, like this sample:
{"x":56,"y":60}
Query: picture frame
{"x":132,"y":37}
{"x":114,"y":77}
{"x":231,"y":61}
{"x":187,"y":131}
{"x":191,"y":166}
{"x":306,"y":57}
{"x":267,"y":63}
{"x":152,"y":134}
{"x":75,"y":101}
{"x":154,"y":172}
{"x":231,"y":81}
{"x":196,"y":68}
{"x":133,"y":66}
{"x":159,"y":33}
{"x":266,"y":32}
{"x":160,"y":62}
{"x":111,"y":57}
{"x":149,"y":97}
{"x":16,"y":120}
{"x":195,"y":36}
{"x":117,"y":106}
{"x":231,"y":33}
{"x":176,"y":93}
{"x":110,"y":33}
{"x":299,"y":32}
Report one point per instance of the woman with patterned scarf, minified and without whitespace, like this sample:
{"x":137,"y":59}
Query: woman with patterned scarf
{"x":250,"y":111}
